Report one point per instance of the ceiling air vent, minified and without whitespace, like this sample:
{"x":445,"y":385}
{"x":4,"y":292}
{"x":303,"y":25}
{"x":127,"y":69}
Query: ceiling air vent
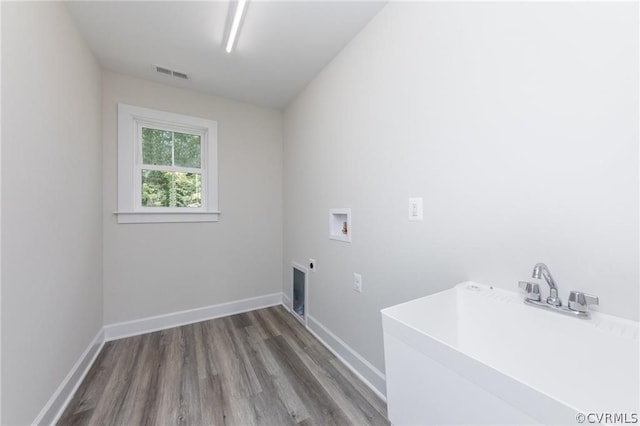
{"x":167,"y":71}
{"x":163,"y":70}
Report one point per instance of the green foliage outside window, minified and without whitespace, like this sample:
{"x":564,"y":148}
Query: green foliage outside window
{"x":171,"y":188}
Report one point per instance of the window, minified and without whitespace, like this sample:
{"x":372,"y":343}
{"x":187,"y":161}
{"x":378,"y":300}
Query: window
{"x":167,"y":167}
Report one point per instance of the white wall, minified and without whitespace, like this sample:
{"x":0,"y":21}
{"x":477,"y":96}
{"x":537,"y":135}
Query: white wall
{"x":51,"y":204}
{"x":0,"y":214}
{"x":518,"y":125}
{"x":154,"y":269}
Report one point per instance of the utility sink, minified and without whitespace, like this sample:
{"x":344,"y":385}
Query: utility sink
{"x":477,"y":354}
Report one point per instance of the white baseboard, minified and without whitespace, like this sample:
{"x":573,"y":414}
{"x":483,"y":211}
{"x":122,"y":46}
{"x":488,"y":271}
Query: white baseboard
{"x":161,"y":322}
{"x":362,"y":368}
{"x":53,"y":409}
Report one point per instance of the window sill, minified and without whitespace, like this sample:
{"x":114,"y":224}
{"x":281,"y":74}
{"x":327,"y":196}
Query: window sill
{"x":166,"y":217}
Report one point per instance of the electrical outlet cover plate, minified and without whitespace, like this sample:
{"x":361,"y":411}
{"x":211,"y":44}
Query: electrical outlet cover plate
{"x":357,"y":282}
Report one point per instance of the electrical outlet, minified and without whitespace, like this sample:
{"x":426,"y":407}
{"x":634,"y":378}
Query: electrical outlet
{"x":312,"y":264}
{"x":357,"y":282}
{"x":415,"y":209}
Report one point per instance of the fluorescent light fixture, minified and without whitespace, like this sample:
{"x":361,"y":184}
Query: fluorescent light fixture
{"x":236,"y":24}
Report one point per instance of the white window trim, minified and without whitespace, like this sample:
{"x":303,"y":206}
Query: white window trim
{"x":130,"y":119}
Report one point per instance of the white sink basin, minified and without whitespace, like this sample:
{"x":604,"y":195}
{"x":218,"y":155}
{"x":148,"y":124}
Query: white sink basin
{"x":546,"y":366}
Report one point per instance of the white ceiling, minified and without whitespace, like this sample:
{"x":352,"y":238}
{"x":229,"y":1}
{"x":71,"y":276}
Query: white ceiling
{"x":281,"y":45}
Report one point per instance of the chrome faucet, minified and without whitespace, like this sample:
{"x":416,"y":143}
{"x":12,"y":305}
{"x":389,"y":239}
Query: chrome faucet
{"x":541,"y":270}
{"x":578,"y":301}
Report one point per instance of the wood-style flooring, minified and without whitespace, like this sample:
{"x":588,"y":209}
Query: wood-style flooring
{"x":255,"y":368}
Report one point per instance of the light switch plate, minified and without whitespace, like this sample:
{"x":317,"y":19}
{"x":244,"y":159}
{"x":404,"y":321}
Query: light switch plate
{"x":415,"y":209}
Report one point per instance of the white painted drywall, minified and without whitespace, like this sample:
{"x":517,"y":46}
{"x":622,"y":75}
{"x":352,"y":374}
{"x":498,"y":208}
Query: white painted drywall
{"x":154,"y":269}
{"x":518,"y":125}
{"x":51,"y":204}
{"x":0,"y":213}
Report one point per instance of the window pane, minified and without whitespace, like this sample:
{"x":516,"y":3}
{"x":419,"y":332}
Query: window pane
{"x":187,"y":150}
{"x":156,"y":147}
{"x":171,"y":189}
{"x":188,"y":189}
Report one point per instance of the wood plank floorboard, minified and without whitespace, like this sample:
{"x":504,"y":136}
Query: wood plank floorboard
{"x":256,"y":368}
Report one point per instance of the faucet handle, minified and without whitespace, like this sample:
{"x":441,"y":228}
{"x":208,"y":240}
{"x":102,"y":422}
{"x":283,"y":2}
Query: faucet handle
{"x":579,"y":301}
{"x":532,"y":290}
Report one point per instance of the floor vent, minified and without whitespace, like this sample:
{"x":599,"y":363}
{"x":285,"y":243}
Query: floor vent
{"x":167,"y":71}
